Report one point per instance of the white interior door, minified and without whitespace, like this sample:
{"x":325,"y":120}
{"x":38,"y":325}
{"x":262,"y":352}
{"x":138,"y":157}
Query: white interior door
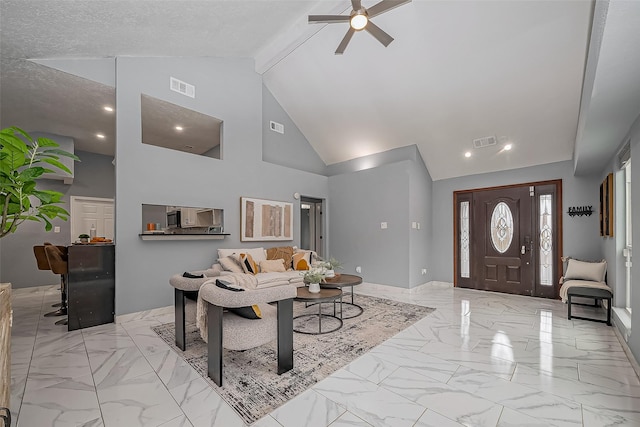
{"x":88,"y":211}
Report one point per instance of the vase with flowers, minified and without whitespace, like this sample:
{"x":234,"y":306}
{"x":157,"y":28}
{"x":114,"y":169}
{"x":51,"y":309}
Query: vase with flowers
{"x":331,"y":265}
{"x":313,"y":277}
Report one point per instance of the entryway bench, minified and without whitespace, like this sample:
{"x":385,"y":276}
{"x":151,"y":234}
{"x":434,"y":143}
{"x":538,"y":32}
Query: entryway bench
{"x":597,"y":294}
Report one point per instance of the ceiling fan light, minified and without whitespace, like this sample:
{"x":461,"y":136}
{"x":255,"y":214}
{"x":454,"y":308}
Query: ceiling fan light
{"x":358,"y":21}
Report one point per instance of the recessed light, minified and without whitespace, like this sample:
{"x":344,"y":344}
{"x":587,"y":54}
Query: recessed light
{"x":108,"y":108}
{"x":100,"y":135}
{"x":179,"y":128}
{"x":467,"y":154}
{"x":507,"y":147}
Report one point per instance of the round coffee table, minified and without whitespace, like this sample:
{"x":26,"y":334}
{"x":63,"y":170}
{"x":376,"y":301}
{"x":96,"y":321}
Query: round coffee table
{"x":342,"y":281}
{"x":325,"y":295}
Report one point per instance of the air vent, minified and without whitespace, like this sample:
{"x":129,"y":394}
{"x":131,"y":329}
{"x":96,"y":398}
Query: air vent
{"x":182,"y":87}
{"x":276,"y":127}
{"x":487,"y":141}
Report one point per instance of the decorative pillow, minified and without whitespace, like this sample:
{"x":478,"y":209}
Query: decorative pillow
{"x":231,"y":263}
{"x":228,"y":286}
{"x":258,"y":254}
{"x":281,"y":252}
{"x":215,"y":269}
{"x":192,"y":276}
{"x":582,"y":270}
{"x":248,"y":264}
{"x":272,"y":266}
{"x":302,"y":261}
{"x":252,"y":312}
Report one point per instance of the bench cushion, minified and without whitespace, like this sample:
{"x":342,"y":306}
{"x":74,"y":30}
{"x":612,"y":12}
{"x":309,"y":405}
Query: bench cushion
{"x":580,"y":284}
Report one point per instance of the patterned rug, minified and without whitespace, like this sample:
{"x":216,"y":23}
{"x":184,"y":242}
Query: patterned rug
{"x":250,"y":382}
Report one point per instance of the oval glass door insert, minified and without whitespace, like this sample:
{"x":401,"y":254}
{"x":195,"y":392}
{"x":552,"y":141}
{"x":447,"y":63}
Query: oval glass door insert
{"x":501,"y":227}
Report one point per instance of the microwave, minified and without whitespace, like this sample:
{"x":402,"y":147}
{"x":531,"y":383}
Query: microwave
{"x":173,"y":219}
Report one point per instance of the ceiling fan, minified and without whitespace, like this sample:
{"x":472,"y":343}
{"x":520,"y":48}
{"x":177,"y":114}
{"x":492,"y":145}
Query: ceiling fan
{"x":360,"y":19}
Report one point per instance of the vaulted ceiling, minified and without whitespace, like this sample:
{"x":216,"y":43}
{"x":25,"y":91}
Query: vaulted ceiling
{"x":556,"y":79}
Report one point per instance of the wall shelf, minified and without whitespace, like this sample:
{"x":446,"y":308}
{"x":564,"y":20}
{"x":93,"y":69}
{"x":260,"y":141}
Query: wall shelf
{"x":183,"y":236}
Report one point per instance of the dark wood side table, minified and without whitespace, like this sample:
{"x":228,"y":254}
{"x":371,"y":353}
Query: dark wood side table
{"x":342,"y":281}
{"x":325,"y":295}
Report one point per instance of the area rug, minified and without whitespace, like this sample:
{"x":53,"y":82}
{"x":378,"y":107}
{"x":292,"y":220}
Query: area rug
{"x":250,"y":382}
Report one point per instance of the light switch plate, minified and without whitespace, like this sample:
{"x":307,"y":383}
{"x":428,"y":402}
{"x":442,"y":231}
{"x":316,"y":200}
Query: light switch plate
{"x":414,"y":224}
{"x":56,"y":229}
{"x":383,"y":225}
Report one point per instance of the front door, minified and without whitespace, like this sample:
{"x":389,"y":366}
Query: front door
{"x":503,"y":254}
{"x":507,"y":239}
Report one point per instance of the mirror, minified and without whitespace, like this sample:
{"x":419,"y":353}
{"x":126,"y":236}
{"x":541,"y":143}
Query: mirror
{"x":171,"y":126}
{"x":164,"y":219}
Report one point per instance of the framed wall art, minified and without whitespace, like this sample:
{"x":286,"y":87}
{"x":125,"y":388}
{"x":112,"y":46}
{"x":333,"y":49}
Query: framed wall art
{"x":606,"y":207}
{"x":264,"y":220}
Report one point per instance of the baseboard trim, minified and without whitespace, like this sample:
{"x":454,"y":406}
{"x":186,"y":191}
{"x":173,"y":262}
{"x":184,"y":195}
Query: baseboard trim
{"x":367,"y":287}
{"x":622,"y":332}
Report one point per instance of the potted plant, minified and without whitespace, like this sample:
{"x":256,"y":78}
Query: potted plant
{"x":314,"y":276}
{"x":23,"y":159}
{"x":84,"y":238}
{"x":331,"y":266}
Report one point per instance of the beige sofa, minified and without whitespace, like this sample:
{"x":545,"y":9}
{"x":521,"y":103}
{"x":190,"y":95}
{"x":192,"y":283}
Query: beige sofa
{"x":228,"y":268}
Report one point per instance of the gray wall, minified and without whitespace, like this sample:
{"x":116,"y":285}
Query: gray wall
{"x":225,"y":88}
{"x":290,"y":149}
{"x":634,"y":339}
{"x":359,"y":202}
{"x":94,"y":177}
{"x":420,"y":191}
{"x":581,"y":235}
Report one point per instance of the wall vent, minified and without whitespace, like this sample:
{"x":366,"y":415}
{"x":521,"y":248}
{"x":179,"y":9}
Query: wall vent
{"x":182,"y":87}
{"x":276,"y":127}
{"x":487,"y":141}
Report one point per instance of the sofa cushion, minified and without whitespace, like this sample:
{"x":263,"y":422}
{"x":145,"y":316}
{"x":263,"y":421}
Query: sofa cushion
{"x":258,"y":254}
{"x":272,"y":266}
{"x":302,"y":261}
{"x":231,"y":263}
{"x":249,"y":266}
{"x":581,"y":270}
{"x":281,"y":252}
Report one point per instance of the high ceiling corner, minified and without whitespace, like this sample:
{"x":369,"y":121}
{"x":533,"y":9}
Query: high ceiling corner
{"x":456,"y":71}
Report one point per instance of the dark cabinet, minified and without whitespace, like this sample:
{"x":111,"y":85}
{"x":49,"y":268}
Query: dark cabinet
{"x":91,"y":285}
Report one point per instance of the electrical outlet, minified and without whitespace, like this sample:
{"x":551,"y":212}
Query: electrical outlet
{"x":414,"y":224}
{"x":358,"y":269}
{"x":418,"y":226}
{"x":383,"y":225}
{"x":424,"y":271}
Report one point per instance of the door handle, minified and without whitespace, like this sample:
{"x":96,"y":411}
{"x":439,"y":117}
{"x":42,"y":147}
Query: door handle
{"x":523,"y":250}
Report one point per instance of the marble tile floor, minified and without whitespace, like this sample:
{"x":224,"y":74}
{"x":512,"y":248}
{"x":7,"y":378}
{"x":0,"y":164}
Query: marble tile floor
{"x":481,"y":359}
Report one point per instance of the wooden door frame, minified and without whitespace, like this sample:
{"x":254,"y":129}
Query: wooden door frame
{"x":559,"y":231}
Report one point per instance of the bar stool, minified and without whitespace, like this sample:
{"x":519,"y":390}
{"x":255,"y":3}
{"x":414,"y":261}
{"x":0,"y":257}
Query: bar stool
{"x":57,"y":257}
{"x":43,"y":264}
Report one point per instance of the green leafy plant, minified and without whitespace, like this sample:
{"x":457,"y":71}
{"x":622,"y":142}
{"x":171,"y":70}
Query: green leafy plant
{"x":315,"y":275}
{"x":83,"y":236}
{"x":23,"y":159}
{"x":333,"y":264}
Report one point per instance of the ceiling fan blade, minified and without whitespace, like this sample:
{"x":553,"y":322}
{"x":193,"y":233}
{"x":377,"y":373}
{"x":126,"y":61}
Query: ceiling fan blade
{"x":345,"y":41}
{"x":357,"y":4}
{"x":328,"y":19}
{"x":378,"y":33}
{"x":384,"y":6}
